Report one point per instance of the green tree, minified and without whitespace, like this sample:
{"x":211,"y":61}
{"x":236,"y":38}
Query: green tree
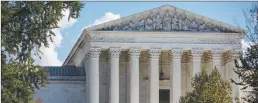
{"x":25,"y":27}
{"x":247,"y":64}
{"x":208,"y":88}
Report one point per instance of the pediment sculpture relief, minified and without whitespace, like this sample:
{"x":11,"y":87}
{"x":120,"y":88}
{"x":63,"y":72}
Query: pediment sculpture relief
{"x":167,"y":22}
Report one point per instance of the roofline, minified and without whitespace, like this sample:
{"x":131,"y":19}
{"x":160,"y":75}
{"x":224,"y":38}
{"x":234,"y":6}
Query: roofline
{"x":75,"y":47}
{"x":82,"y":36}
{"x":94,"y":27}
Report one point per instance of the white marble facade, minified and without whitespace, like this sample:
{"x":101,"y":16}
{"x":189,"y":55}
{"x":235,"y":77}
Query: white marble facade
{"x":123,"y":58}
{"x":134,"y":68}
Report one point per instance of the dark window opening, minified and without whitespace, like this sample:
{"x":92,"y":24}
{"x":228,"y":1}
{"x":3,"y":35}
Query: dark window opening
{"x":164,"y":96}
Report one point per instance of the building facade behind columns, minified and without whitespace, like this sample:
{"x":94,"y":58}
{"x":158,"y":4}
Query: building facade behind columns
{"x":120,"y":61}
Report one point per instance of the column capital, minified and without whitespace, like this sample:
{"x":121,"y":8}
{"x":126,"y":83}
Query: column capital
{"x":134,"y":52}
{"x":94,"y":52}
{"x":114,"y":52}
{"x":197,"y":53}
{"x":175,"y":53}
{"x":154,"y":53}
{"x":217,"y":53}
{"x":236,"y":53}
{"x":228,"y":56}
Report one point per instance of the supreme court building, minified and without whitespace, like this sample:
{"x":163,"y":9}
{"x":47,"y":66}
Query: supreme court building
{"x":147,"y":57}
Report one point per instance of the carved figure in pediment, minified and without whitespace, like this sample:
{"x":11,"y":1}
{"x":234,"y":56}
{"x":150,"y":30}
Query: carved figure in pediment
{"x":216,"y":29}
{"x":109,"y":28}
{"x":140,"y":25}
{"x":202,"y":27}
{"x":175,"y":22}
{"x":185,"y":24}
{"x":132,"y":25}
{"x":209,"y":28}
{"x":222,"y":29}
{"x":149,"y":24}
{"x":115,"y":27}
{"x":193,"y":26}
{"x":180,"y":24}
{"x":166,"y":22}
{"x":121,"y":26}
{"x":205,"y":28}
{"x":126,"y":27}
{"x":157,"y":22}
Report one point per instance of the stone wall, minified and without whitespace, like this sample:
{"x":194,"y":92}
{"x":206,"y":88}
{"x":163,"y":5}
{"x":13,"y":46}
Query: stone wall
{"x":62,"y":92}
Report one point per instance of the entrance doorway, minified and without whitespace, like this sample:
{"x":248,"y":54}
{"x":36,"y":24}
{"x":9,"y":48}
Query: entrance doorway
{"x":164,"y":96}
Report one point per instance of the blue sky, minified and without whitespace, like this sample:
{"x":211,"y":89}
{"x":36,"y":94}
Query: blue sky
{"x":97,"y":12}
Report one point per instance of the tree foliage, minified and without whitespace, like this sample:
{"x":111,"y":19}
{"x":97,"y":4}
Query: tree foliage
{"x":208,"y":88}
{"x":25,"y":27}
{"x":247,"y":64}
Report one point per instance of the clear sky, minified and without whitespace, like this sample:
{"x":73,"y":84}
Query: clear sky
{"x":98,"y":12}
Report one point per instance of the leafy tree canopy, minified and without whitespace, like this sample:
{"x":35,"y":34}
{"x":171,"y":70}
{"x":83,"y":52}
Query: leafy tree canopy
{"x":208,"y":88}
{"x":25,"y":27}
{"x":247,"y":64}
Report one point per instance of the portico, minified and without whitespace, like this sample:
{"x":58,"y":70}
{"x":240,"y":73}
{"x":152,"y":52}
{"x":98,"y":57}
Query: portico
{"x":175,"y":75}
{"x":123,"y":60}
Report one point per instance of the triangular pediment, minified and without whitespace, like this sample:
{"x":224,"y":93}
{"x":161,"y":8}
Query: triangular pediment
{"x":165,"y":18}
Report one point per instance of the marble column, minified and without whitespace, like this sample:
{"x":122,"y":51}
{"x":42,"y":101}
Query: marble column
{"x":86,"y":66}
{"x":196,"y":65}
{"x":154,"y":75}
{"x":94,"y":75}
{"x":114,"y":54}
{"x":228,"y":62}
{"x":236,"y":55}
{"x":226,"y":68}
{"x":233,"y":75}
{"x":134,"y":54}
{"x":217,"y":61}
{"x":175,"y":75}
{"x":196,"y":61}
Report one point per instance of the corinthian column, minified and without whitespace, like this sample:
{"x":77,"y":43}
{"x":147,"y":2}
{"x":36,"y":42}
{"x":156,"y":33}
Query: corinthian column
{"x":134,"y":54}
{"x":86,"y":67}
{"x":196,"y":61}
{"x":196,"y":66}
{"x":154,"y":75}
{"x":114,"y":74}
{"x":94,"y":75}
{"x":217,"y":61}
{"x":233,"y":75}
{"x":175,"y":75}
